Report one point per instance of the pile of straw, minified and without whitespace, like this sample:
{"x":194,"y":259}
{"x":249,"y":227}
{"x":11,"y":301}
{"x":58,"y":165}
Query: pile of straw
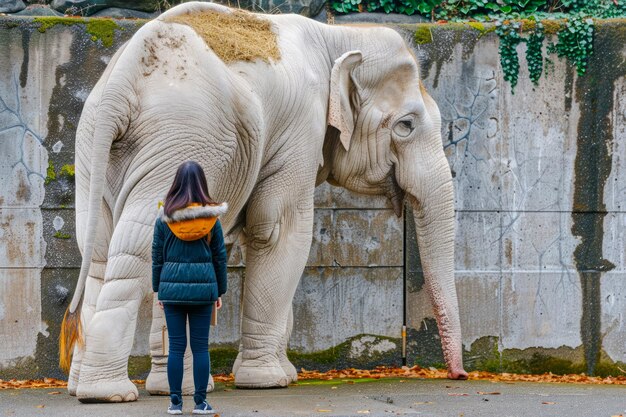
{"x":237,"y":36}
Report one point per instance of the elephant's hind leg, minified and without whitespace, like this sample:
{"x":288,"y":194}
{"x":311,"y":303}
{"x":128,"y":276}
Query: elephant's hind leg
{"x":93,"y":286}
{"x":109,"y":336}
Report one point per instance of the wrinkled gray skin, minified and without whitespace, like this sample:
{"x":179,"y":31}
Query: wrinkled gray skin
{"x":261,"y":132}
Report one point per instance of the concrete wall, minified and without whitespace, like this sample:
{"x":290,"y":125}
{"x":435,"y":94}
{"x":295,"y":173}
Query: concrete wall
{"x":539,"y":198}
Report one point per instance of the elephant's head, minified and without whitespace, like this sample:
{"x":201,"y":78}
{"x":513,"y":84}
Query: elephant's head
{"x":389,"y":142}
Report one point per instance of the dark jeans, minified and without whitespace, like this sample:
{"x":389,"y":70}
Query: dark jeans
{"x":199,"y":322}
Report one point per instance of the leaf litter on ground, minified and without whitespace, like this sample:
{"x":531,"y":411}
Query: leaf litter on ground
{"x":351,"y":376}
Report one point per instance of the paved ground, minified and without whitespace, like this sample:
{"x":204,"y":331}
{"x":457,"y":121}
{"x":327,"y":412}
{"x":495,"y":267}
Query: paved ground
{"x":431,"y":398}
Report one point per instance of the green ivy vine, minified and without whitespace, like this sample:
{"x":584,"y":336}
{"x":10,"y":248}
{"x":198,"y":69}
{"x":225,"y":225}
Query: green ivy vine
{"x":571,"y":20}
{"x":576,"y":42}
{"x":485,"y":10}
{"x":509,"y":39}
{"x":534,"y":55}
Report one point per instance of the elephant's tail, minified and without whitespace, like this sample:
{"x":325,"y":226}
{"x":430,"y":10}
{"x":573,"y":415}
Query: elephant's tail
{"x":112,"y":120}
{"x":71,"y":333}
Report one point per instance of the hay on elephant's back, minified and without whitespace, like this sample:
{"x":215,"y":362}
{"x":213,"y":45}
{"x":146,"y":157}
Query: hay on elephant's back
{"x":236,"y":36}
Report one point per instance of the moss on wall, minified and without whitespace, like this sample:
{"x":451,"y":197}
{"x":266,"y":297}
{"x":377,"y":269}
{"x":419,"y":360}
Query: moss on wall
{"x":336,"y":357}
{"x":484,"y":355}
{"x":139,"y":366}
{"x":50,"y":173}
{"x":67,"y":171}
{"x":48,"y":22}
{"x":423,"y":35}
{"x":344,"y":355}
{"x":481,"y":28}
{"x":222,"y":359}
{"x":99,"y":29}
{"x":102,"y":29}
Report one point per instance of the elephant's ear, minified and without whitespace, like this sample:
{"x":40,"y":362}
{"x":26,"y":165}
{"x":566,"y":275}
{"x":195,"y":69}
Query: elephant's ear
{"x":341,"y":113}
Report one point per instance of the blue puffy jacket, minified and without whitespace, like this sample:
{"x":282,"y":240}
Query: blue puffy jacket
{"x":188,"y":267}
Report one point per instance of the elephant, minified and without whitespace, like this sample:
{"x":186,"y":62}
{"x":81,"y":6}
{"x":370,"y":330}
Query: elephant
{"x":312,"y":103}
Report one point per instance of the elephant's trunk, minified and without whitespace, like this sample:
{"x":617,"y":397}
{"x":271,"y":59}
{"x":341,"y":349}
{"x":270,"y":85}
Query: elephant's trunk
{"x":428,"y":183}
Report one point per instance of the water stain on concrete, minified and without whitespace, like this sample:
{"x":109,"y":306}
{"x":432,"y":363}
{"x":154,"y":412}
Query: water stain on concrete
{"x":26,"y":49}
{"x":23,"y":192}
{"x":442,"y":50}
{"x":508,"y":251}
{"x":594,"y":94}
{"x":568,"y":92}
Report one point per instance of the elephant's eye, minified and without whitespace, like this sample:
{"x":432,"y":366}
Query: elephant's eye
{"x":404,"y":127}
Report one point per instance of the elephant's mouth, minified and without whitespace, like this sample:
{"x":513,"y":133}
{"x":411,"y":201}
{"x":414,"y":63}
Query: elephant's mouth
{"x":395,"y":193}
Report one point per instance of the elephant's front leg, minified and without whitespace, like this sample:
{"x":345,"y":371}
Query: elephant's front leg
{"x":109,"y":336}
{"x":288,"y":368}
{"x":279,"y":229}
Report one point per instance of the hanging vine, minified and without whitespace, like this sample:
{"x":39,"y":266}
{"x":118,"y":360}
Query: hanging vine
{"x":571,"y":20}
{"x":509,"y":39}
{"x":576,"y":42}
{"x":534,"y":54}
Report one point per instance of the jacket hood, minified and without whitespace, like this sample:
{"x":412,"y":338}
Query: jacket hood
{"x":194,"y":221}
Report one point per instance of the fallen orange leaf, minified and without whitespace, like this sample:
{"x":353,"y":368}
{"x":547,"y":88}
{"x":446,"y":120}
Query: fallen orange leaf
{"x":548,"y":402}
{"x":379,"y":372}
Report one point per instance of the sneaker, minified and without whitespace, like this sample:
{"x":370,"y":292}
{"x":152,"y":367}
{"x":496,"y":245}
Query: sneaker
{"x":203,"y":408}
{"x":175,"y":408}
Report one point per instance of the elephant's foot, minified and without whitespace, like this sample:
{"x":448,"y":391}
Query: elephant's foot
{"x":72,"y":385}
{"x":260,"y":376}
{"x":457,"y":373}
{"x":157,"y":383}
{"x":210,"y":386}
{"x":237,"y":363}
{"x":107,"y":391}
{"x":72,"y":382}
{"x":288,"y":368}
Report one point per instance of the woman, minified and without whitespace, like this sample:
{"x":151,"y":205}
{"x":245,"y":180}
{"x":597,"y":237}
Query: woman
{"x":189,"y":275}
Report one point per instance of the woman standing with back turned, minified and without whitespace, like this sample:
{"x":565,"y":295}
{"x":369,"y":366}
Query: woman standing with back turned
{"x":189,"y":274}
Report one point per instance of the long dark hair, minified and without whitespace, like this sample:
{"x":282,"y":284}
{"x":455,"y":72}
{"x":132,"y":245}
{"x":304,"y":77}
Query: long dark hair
{"x":189,"y":187}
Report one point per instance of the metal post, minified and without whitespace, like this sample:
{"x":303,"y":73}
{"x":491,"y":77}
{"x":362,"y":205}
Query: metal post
{"x":404,"y":266}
